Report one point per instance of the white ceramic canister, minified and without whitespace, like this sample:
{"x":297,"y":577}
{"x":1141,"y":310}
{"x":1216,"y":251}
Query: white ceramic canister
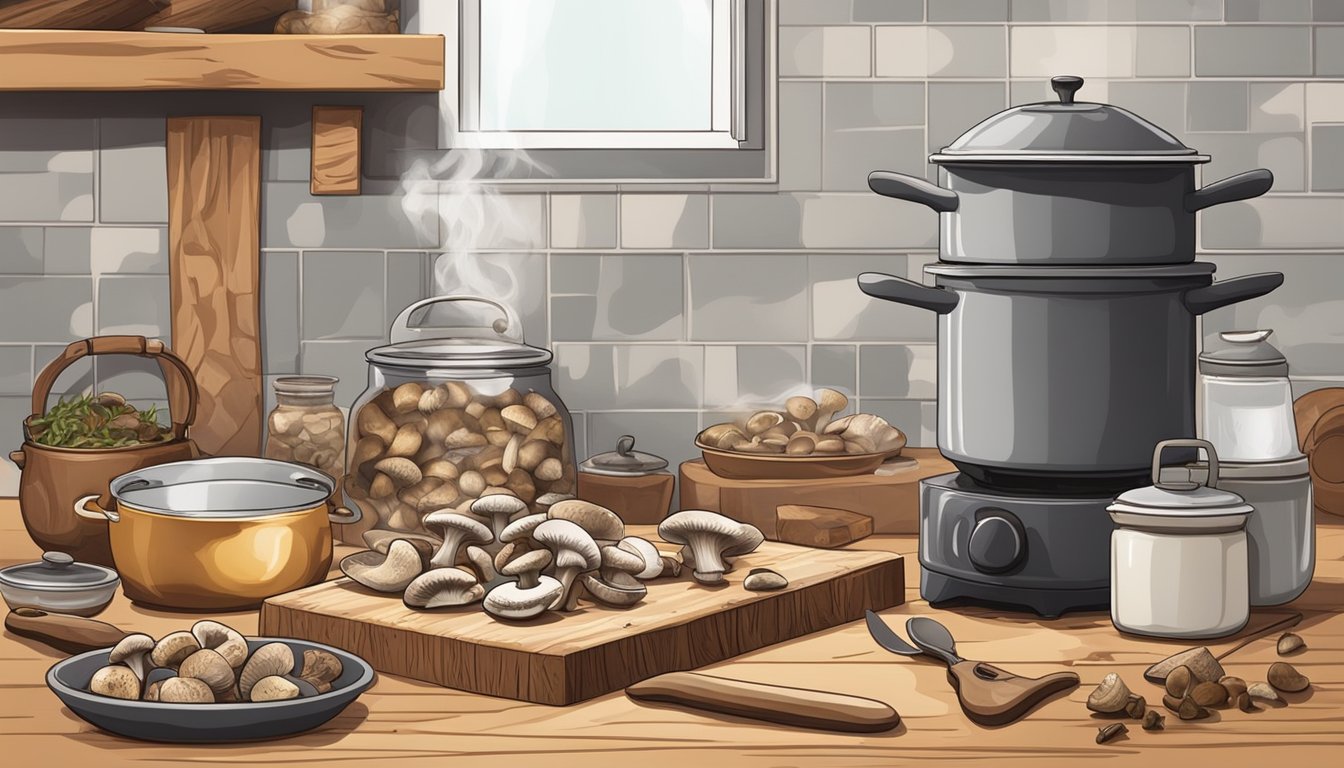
{"x":1179,"y":556}
{"x":1246,"y":402}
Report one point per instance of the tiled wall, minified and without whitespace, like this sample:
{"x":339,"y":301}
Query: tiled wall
{"x":669,"y":305}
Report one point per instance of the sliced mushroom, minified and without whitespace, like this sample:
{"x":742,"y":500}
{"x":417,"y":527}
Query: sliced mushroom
{"x":575,"y":553}
{"x":456,"y":531}
{"x":443,"y":588}
{"x":133,"y":651}
{"x":211,"y":668}
{"x":653,"y":560}
{"x":764,"y":580}
{"x":379,"y":540}
{"x":270,"y":659}
{"x":601,"y":523}
{"x":708,"y":538}
{"x":116,"y":681}
{"x":173,"y":648}
{"x":184,"y":690}
{"x":224,"y":640}
{"x":614,"y":595}
{"x":384,"y":573}
{"x":274,"y":688}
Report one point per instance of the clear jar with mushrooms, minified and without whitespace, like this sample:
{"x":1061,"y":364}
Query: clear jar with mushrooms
{"x":450,"y":419}
{"x":306,"y":426}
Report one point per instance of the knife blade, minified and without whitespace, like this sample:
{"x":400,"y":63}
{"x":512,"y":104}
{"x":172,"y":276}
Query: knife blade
{"x":886,"y":637}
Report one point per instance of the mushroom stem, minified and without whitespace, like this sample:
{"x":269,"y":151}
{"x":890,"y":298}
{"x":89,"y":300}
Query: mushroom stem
{"x":705,"y":557}
{"x":529,"y":579}
{"x":569,"y":597}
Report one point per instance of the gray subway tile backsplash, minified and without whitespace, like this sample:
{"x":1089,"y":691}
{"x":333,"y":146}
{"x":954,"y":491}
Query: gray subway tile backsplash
{"x":343,"y":295}
{"x":748,"y":297}
{"x":1252,"y":51}
{"x":123,"y":310}
{"x":624,"y":297}
{"x":21,"y":251}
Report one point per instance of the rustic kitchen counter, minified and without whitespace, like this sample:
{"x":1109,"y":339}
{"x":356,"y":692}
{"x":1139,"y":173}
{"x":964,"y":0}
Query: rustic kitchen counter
{"x":414,"y":723}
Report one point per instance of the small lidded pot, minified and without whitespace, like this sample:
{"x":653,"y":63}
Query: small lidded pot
{"x":58,"y":584}
{"x":633,"y":484}
{"x":1179,"y":561}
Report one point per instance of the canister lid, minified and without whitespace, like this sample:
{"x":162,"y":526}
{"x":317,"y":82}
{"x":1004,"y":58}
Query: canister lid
{"x":1248,"y":353}
{"x":58,"y":572}
{"x":459,"y":331}
{"x":1181,"y":504}
{"x":430,"y":354}
{"x":1067,"y":131}
{"x":624,"y":461}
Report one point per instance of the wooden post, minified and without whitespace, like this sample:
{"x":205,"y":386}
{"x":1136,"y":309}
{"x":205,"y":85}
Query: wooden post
{"x":336,"y":155}
{"x":214,"y":221}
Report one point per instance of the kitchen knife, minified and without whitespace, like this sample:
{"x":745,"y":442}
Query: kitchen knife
{"x":71,"y":634}
{"x":772,"y":703}
{"x":887,"y":638}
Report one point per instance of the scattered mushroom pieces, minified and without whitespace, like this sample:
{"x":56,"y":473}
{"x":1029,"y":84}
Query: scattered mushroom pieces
{"x":271,"y":659}
{"x":1263,"y":691}
{"x":1153,"y":720}
{"x":1203,"y":666}
{"x":116,"y":681}
{"x":133,"y":651}
{"x":183,"y":690}
{"x":1290,"y":643}
{"x":224,"y":640}
{"x":1110,"y":732}
{"x":574,"y":551}
{"x":173,"y":648}
{"x":707,"y":539}
{"x":764,"y":580}
{"x":209,"y":667}
{"x":1285,"y":677}
{"x":605,"y":526}
{"x":392,"y":572}
{"x":456,"y":531}
{"x":1110,"y":696}
{"x":274,"y":688}
{"x":443,"y":588}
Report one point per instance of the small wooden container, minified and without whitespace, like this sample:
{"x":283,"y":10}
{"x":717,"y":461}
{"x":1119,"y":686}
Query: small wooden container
{"x":633,"y":484}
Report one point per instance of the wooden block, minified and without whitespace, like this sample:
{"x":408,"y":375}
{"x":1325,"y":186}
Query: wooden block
{"x":336,"y":150}
{"x":214,"y":221}
{"x":820,"y":526}
{"x":564,"y":658}
{"x":890,"y":497}
{"x":638,"y":500}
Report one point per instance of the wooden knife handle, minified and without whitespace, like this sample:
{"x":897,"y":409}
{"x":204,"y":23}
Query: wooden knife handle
{"x":71,"y":634}
{"x":993,"y":696}
{"x":771,"y":703}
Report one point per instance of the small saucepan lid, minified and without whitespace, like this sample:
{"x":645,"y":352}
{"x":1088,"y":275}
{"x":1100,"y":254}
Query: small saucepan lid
{"x":223,"y":488}
{"x":58,"y":572}
{"x":1181,"y":505}
{"x":625,"y":461}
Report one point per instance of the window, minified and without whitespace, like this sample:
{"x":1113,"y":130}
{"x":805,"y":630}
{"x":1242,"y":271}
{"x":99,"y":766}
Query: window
{"x":585,"y":74}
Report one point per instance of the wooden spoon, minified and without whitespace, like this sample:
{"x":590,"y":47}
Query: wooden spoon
{"x":71,"y":634}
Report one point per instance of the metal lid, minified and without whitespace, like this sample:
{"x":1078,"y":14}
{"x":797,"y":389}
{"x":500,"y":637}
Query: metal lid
{"x":305,"y":386}
{"x":1192,"y":269}
{"x":1249,"y":354}
{"x":1298,"y":467}
{"x":223,"y":488}
{"x":58,"y":572}
{"x":473,"y":332}
{"x":1176,"y":504}
{"x":624,"y":461}
{"x":1067,"y":131}
{"x":459,"y":353}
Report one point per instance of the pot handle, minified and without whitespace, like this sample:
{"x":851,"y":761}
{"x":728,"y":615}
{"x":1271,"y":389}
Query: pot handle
{"x":908,"y":292}
{"x":82,"y":510}
{"x":342,"y":515}
{"x":914,"y":189}
{"x":507,"y":326}
{"x":1185,"y":485}
{"x":1243,"y":186}
{"x":19,"y":458}
{"x":1221,"y":294}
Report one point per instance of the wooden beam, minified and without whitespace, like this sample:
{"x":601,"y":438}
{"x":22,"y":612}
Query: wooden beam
{"x":336,"y":150}
{"x":57,"y":60}
{"x":74,"y":14}
{"x":214,"y":240}
{"x":214,"y":16}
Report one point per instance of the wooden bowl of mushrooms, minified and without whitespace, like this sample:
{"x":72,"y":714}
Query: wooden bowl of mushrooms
{"x":803,"y":440}
{"x":209,"y":684}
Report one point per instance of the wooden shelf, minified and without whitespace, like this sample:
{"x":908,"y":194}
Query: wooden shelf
{"x":65,"y":60}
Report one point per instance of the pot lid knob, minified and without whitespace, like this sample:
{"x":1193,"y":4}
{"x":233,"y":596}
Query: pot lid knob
{"x":625,"y":460}
{"x":1066,"y":86}
{"x":57,"y":559}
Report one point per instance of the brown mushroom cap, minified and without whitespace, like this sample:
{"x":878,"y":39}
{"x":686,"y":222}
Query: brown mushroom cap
{"x":209,"y":667}
{"x":173,"y":648}
{"x":801,"y":408}
{"x":455,"y":530}
{"x":133,"y":651}
{"x":185,"y":690}
{"x":443,"y":588}
{"x":274,"y":688}
{"x":269,"y":659}
{"x":321,"y":666}
{"x":223,"y":639}
{"x":116,"y":681}
{"x":600,"y":523}
{"x":527,"y":567}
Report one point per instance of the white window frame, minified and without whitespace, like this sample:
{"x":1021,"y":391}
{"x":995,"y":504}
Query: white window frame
{"x":459,"y":22}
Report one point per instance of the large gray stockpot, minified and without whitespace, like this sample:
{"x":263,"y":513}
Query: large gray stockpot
{"x":1065,"y":378}
{"x":1068,"y":182}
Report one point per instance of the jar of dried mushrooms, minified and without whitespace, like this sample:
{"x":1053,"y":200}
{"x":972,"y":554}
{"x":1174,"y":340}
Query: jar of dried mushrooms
{"x":306,"y":426}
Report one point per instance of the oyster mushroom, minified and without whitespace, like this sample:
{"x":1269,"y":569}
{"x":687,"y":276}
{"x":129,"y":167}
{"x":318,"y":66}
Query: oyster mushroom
{"x":620,"y":567}
{"x":829,"y":403}
{"x":384,"y":573}
{"x":653,"y":560}
{"x":184,"y":690}
{"x":133,"y":651}
{"x":574,"y":552}
{"x":173,"y":648}
{"x":801,"y":409}
{"x":456,"y":530}
{"x":707,"y":538}
{"x":379,"y":540}
{"x":211,"y":668}
{"x":274,"y":688}
{"x":870,"y":433}
{"x":601,"y":523}
{"x":499,"y":509}
{"x":270,"y":659}
{"x":116,"y":681}
{"x":763,"y":420}
{"x":224,"y":640}
{"x":443,"y":588}
{"x":614,"y":595}
{"x":531,"y":595}
{"x":485,"y":568}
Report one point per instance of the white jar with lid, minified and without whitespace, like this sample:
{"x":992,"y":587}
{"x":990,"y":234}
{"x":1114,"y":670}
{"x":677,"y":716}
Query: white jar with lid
{"x":1179,"y":556}
{"x":1246,"y":400}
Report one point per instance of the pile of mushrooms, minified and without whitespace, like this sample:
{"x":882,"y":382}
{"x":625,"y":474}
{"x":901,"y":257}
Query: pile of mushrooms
{"x":519,"y":564}
{"x":210,"y":664}
{"x":806,"y":427}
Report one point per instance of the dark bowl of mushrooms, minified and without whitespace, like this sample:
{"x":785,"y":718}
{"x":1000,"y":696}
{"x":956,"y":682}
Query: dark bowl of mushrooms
{"x":209,"y":685}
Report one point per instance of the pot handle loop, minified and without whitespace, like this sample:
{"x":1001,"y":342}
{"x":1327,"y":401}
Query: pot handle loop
{"x":19,"y":458}
{"x":914,"y":189}
{"x":1243,"y":186}
{"x":1221,"y":294}
{"x":908,"y":292}
{"x":507,"y":327}
{"x":82,"y":510}
{"x":1185,"y":485}
{"x":345,"y":515}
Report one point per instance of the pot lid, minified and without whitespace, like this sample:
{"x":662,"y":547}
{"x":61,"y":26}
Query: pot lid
{"x":1181,"y":503}
{"x":1067,"y":131}
{"x":459,"y":353}
{"x":1298,"y":466}
{"x":1192,"y":269}
{"x":1248,"y":353}
{"x":458,"y":331}
{"x":625,"y":460}
{"x":223,"y":488}
{"x":58,"y":572}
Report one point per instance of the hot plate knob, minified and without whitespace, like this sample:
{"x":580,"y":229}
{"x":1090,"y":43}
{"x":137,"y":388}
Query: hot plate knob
{"x":997,"y":542}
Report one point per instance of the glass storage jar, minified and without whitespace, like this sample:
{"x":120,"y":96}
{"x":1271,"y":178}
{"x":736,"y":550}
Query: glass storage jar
{"x":1247,"y":400}
{"x":342,"y":17}
{"x":306,"y":426}
{"x":452,"y":413}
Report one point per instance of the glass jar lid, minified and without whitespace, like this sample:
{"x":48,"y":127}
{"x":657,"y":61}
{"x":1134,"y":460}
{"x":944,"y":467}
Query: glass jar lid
{"x":58,"y":572}
{"x":305,"y":386}
{"x":624,"y":461}
{"x":459,"y":353}
{"x":1248,"y":353}
{"x":1067,"y":131}
{"x":460,"y":331}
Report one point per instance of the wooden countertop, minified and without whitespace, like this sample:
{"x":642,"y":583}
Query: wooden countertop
{"x":401,"y":722}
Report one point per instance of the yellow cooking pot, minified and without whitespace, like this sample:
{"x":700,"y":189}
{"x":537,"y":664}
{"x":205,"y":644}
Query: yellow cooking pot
{"x":220,"y":533}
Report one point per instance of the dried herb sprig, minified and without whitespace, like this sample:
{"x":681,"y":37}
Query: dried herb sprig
{"x":101,"y":421}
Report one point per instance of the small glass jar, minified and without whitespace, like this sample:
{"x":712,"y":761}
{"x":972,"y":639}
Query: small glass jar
{"x":342,"y":17}
{"x":306,"y":426}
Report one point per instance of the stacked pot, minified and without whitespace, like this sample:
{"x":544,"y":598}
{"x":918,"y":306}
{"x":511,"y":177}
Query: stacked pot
{"x":1066,"y":291}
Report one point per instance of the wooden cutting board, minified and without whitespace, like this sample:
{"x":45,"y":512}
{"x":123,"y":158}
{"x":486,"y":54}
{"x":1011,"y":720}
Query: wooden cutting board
{"x":890,"y":497}
{"x":562,"y":659}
